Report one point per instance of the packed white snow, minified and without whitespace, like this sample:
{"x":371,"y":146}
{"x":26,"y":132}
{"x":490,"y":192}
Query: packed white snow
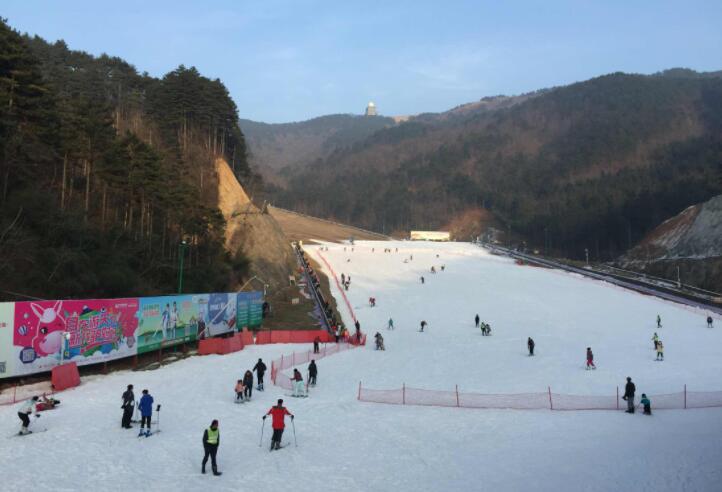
{"x":344,"y":444}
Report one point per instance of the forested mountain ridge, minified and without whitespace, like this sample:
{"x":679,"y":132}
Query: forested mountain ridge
{"x":104,"y":171}
{"x":273,"y":147}
{"x":593,"y":165}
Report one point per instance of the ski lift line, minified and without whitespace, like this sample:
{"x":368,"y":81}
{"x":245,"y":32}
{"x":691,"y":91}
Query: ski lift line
{"x":313,"y":289}
{"x":338,"y":285}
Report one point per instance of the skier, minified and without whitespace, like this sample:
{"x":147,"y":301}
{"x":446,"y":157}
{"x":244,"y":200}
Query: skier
{"x":211,"y":440}
{"x":422,"y":279}
{"x":30,"y":406}
{"x":239,"y":391}
{"x":358,"y":331}
{"x":391,"y":324}
{"x":248,"y":385}
{"x":660,"y":350}
{"x":146,"y":411}
{"x":343,"y":278}
{"x":278,"y":416}
{"x":423,"y":325}
{"x":647,"y":404}
{"x":312,"y":373}
{"x":590,"y":359}
{"x":260,"y":369}
{"x":709,"y":321}
{"x":316,"y":342}
{"x":629,"y":390}
{"x":530,"y":344}
{"x":443,"y":267}
{"x":476,"y":320}
{"x":297,"y":383}
{"x":127,"y":406}
{"x":433,"y":270}
{"x":379,"y":341}
{"x":655,"y":340}
{"x":659,"y":322}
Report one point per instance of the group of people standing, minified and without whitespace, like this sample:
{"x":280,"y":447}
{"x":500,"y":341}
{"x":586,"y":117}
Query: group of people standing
{"x":145,"y":407}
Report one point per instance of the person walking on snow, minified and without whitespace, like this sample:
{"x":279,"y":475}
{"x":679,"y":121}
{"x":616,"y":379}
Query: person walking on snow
{"x":659,"y":321}
{"x":391,"y":324}
{"x":211,"y":440}
{"x":312,"y":373}
{"x":590,"y":359}
{"x":278,"y":417}
{"x":629,"y":390}
{"x":248,"y":385}
{"x":422,"y":279}
{"x":128,"y":406}
{"x":423,"y":325}
{"x":316,"y":343}
{"x":30,"y":406}
{"x":260,"y":369}
{"x":655,"y":340}
{"x":660,"y":350}
{"x":530,"y":345}
{"x":709,"y":321}
{"x":146,"y":411}
{"x":476,"y":320}
{"x":646,"y":404}
{"x":297,"y":383}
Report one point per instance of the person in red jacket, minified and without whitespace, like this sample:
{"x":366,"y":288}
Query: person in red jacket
{"x":278,"y":415}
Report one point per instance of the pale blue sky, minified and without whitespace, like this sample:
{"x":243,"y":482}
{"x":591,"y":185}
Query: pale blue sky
{"x":286,"y":60}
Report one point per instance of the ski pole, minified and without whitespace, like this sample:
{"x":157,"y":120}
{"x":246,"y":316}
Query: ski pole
{"x":262,"y":427}
{"x":293,"y":423}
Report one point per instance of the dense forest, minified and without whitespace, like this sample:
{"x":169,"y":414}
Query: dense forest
{"x":592,"y":165}
{"x":104,"y":172}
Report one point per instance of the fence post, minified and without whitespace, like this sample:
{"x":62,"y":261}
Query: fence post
{"x":457,"y":395}
{"x":359,"y":391}
{"x":403,"y":394}
{"x":15,"y":393}
{"x":617,"y":397}
{"x":685,"y":397}
{"x":551,"y":407}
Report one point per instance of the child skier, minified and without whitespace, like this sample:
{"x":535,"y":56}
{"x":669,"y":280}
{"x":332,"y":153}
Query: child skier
{"x":379,"y":341}
{"x":312,"y":373}
{"x":655,"y":340}
{"x":709,"y":321}
{"x":146,"y":411}
{"x":30,"y":406}
{"x":590,"y":359}
{"x":391,"y":324}
{"x":660,"y":350}
{"x":647,"y":404}
{"x":297,"y":379}
{"x":278,"y":416}
{"x":530,"y":345}
{"x":239,"y":391}
{"x":659,"y":321}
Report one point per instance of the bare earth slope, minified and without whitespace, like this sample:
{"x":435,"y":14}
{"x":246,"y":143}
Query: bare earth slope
{"x":299,"y":227}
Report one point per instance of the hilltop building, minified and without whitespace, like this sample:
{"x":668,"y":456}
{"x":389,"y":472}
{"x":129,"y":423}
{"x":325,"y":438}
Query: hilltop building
{"x":370,"y":109}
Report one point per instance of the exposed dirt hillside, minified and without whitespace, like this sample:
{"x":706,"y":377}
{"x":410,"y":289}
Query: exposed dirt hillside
{"x":257,"y":234}
{"x":300,"y":227}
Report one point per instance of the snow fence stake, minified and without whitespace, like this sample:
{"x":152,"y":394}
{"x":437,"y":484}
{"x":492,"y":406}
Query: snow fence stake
{"x":551,"y":407}
{"x":457,"y":395}
{"x":685,"y":397}
{"x":359,"y":391}
{"x":617,"y":397}
{"x":403,"y":394}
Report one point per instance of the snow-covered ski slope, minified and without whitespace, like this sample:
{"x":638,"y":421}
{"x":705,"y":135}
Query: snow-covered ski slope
{"x":349,"y":445}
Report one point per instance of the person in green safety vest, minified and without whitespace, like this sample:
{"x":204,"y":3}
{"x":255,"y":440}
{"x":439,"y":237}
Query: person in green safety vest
{"x":211,"y":440}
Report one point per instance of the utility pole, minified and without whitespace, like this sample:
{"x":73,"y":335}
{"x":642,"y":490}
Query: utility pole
{"x":181,"y":255}
{"x":586,"y":253}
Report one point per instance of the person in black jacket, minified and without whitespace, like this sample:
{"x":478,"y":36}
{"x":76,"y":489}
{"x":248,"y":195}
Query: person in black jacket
{"x":530,"y":344}
{"x":476,"y":320}
{"x":248,"y":385}
{"x":211,"y":441}
{"x":128,"y":406}
{"x":629,"y":390}
{"x":312,"y":373}
{"x":260,"y":369}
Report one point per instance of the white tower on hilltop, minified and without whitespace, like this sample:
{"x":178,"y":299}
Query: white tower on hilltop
{"x":370,"y":109}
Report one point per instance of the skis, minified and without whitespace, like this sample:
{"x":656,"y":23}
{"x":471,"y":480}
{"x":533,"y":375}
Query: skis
{"x":283,"y":445}
{"x":18,"y":434}
{"x":296,"y":396}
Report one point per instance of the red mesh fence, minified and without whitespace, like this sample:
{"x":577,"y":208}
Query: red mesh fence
{"x":535,"y":401}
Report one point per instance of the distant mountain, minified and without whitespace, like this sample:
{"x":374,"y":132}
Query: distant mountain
{"x":595,"y":164}
{"x":273,"y":147}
